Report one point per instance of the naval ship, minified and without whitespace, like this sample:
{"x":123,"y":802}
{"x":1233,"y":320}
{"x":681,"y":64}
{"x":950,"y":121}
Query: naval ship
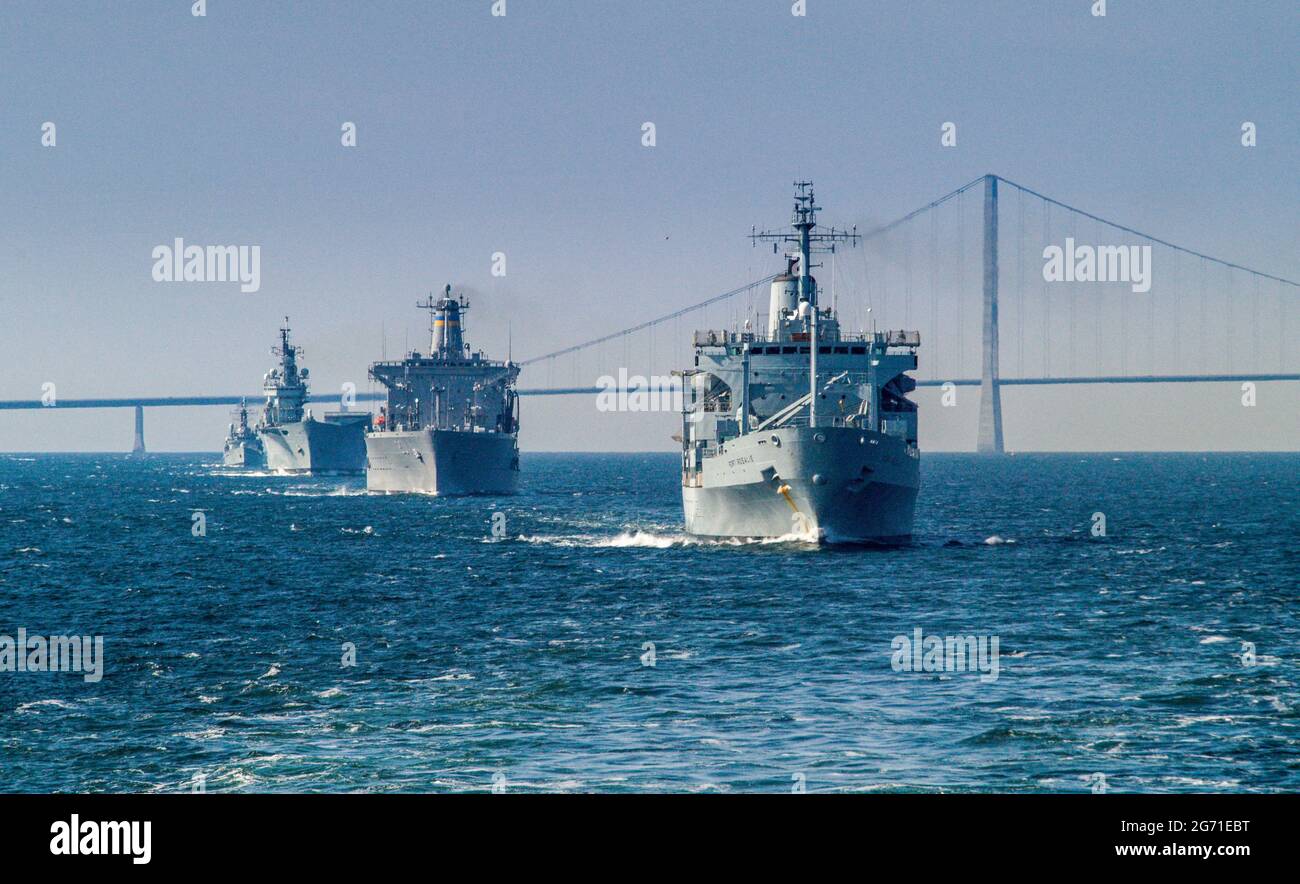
{"x":451,"y":422}
{"x":243,"y":448}
{"x":292,"y":439}
{"x":801,"y":430}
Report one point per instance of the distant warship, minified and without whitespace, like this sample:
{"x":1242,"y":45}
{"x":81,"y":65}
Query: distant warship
{"x":451,"y":422}
{"x":243,"y":448}
{"x":801,"y":430}
{"x":292,"y":439}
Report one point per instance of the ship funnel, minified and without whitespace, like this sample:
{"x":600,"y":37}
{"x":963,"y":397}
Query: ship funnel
{"x":784,"y":301}
{"x":446,"y":326}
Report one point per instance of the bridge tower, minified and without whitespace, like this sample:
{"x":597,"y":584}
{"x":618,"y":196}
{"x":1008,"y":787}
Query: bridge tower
{"x":139,"y":430}
{"x":989,"y":440}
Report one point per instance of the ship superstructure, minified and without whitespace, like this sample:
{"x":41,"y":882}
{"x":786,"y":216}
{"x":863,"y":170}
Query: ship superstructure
{"x":801,"y":429}
{"x":451,"y":422}
{"x":292,"y":439}
{"x":243,"y":448}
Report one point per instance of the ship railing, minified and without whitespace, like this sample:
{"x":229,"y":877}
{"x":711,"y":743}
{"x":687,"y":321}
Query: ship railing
{"x":889,"y":338}
{"x":853,"y":421}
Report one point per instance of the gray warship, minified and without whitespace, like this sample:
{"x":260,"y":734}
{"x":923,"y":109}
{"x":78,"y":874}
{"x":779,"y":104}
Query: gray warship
{"x":451,"y":422}
{"x":292,"y":439}
{"x":801,"y":430}
{"x":243,"y":448}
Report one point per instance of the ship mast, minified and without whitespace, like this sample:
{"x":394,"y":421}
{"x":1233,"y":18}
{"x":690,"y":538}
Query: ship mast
{"x":286,"y":351}
{"x":809,"y":239}
{"x":432,"y":306}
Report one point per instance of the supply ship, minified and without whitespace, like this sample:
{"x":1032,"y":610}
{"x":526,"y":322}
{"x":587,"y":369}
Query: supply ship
{"x":801,"y":430}
{"x":243,"y":448}
{"x":292,"y":439}
{"x":451,"y":422}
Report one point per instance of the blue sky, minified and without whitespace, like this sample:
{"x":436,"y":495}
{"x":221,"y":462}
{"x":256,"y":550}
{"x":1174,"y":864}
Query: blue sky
{"x":522,"y":134}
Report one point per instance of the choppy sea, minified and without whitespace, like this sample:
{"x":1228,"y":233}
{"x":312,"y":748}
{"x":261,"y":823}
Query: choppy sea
{"x":314,"y":637}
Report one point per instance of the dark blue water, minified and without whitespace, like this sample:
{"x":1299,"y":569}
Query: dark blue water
{"x":519,"y":660}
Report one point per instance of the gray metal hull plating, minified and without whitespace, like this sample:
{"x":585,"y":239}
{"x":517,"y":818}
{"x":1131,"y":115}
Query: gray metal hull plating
{"x":442,"y":462}
{"x":852,"y":486}
{"x":314,"y":447}
{"x":244,"y":454}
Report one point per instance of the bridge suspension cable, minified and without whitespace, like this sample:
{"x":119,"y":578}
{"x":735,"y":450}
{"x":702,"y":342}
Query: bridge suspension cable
{"x":1139,"y":233}
{"x":651,"y":322}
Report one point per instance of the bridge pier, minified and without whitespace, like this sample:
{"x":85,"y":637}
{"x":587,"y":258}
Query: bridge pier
{"x":139,"y":430}
{"x":989,"y":440}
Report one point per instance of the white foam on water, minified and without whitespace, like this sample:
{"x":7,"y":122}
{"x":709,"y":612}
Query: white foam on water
{"x":341,"y":491}
{"x":643,"y":539}
{"x":639,"y":539}
{"x":1202,"y":784}
{"x":213,"y":733}
{"x":36,"y":705}
{"x":1189,"y":720}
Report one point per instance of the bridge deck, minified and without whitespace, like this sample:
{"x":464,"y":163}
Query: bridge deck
{"x":164,"y":401}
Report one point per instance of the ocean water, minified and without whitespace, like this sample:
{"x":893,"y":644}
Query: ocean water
{"x":1160,"y":657}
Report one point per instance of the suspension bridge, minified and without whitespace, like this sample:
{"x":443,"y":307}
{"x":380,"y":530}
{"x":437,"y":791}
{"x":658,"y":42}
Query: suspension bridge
{"x":1007,"y":286}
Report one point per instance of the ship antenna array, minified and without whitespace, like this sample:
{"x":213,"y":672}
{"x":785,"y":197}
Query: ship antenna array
{"x":285,"y":348}
{"x":806,"y":234}
{"x":432,"y":306}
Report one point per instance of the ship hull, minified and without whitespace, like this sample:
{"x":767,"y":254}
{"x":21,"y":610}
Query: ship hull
{"x":442,"y":462}
{"x":842,"y":485}
{"x":315,"y":447}
{"x":245,"y":455}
